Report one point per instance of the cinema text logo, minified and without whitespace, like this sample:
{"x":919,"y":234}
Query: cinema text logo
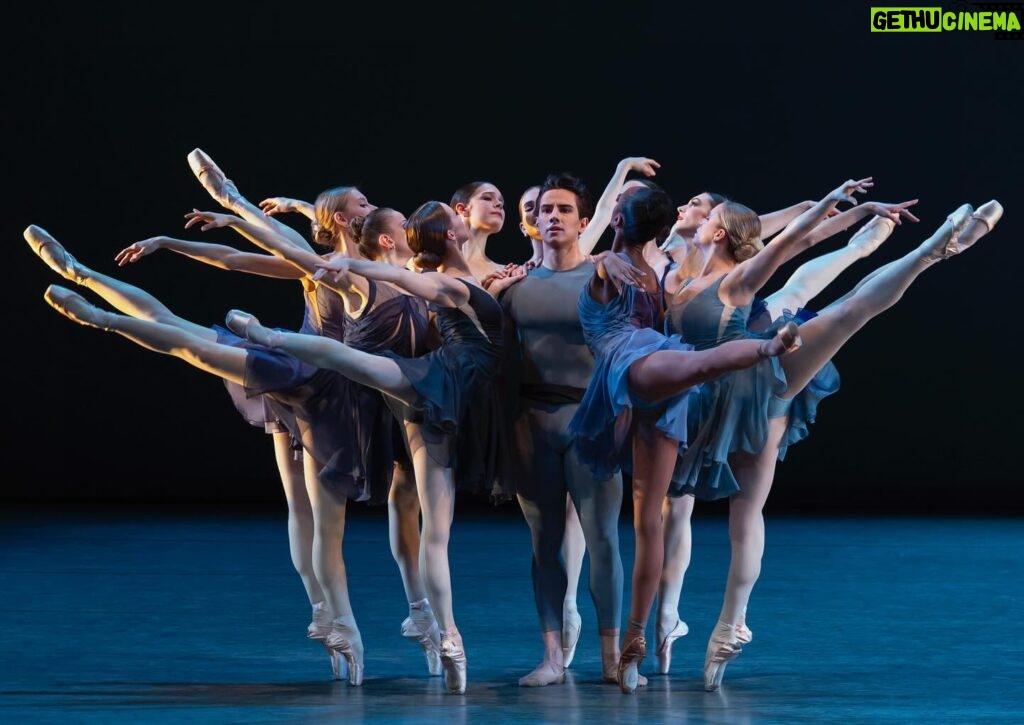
{"x":1004,"y":19}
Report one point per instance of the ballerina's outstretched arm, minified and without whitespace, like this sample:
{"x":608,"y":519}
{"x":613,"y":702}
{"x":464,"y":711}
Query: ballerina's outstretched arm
{"x":354,"y":289}
{"x":439,"y":288}
{"x":274,"y":205}
{"x":602,"y":215}
{"x":752,"y":274}
{"x":220,"y":256}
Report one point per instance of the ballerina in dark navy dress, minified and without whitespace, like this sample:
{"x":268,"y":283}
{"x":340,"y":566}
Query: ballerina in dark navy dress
{"x":432,"y":392}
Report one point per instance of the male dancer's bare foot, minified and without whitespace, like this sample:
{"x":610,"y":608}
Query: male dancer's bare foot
{"x":75,"y":307}
{"x":546,"y":673}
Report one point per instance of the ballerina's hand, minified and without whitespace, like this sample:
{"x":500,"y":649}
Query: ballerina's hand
{"x":895,"y":212}
{"x":334,"y":269}
{"x":642,"y":165}
{"x":138,"y":250}
{"x":849,"y":188}
{"x":277,"y":205}
{"x":534,"y":261}
{"x":618,"y":271}
{"x":209,"y":219}
{"x":502,"y":279}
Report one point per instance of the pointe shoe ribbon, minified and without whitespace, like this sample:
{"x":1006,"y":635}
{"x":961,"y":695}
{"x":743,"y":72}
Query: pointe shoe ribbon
{"x":338,"y":642}
{"x":723,"y":647}
{"x":629,"y":664}
{"x":429,"y":637}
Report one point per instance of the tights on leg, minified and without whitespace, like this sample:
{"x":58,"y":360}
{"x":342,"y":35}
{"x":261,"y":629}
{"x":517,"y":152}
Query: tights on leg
{"x":754,"y":472}
{"x":676,"y":515}
{"x":300,"y":515}
{"x":436,"y":487}
{"x":404,"y":532}
{"x":573,"y":548}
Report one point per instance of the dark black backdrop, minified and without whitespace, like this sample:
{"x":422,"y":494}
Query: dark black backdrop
{"x":769,"y":104}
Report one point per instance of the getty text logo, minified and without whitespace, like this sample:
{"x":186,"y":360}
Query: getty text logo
{"x":1002,"y":18}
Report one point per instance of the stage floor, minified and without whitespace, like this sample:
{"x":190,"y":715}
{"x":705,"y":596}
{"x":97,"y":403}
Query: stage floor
{"x":201,"y":618}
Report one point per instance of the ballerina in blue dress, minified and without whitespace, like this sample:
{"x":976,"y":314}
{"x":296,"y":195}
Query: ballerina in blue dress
{"x":633,"y":415}
{"x":741,"y":422}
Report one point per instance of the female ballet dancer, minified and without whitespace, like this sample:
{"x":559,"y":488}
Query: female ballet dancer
{"x":682,"y":260}
{"x":633,"y":414}
{"x":318,"y":400}
{"x":744,"y":419}
{"x":482,"y":207}
{"x":333,"y":215}
{"x":433,"y":392}
{"x":132,"y":300}
{"x":380,"y":318}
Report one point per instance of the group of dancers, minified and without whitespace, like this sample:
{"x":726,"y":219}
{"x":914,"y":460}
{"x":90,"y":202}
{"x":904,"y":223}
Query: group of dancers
{"x":423,"y":368}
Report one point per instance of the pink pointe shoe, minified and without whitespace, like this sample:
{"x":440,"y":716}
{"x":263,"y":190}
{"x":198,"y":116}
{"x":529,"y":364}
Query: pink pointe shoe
{"x":629,"y":664}
{"x":572,"y":624}
{"x":787,"y":339}
{"x":453,"y":660}
{"x":217,"y":185}
{"x":346,"y":642}
{"x":246,"y":325}
{"x":318,"y":629}
{"x":52,"y":253}
{"x":870,"y":236}
{"x":723,"y":647}
{"x":421,"y":626}
{"x":76,"y":308}
{"x":664,"y":652}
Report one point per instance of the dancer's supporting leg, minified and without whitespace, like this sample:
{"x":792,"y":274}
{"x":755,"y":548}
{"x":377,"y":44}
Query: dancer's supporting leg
{"x":404,"y":536}
{"x":822,"y":337}
{"x":573,"y":549}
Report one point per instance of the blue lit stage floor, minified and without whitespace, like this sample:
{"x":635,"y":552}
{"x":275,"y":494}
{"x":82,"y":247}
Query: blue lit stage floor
{"x":146,"y":618}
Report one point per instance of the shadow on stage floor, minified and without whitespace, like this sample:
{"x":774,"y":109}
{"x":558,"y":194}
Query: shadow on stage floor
{"x":128,"y":615}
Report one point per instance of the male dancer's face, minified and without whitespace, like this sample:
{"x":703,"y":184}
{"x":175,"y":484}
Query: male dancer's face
{"x":558,"y":218}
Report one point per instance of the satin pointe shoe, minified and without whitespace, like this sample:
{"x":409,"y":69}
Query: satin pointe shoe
{"x":723,"y":647}
{"x":246,"y":325}
{"x":664,"y":652}
{"x":944,"y":245}
{"x":980,"y":223}
{"x":346,"y":642}
{"x":76,"y":308}
{"x":869,"y":237}
{"x":421,"y":626}
{"x":318,"y":629}
{"x":543,"y":675}
{"x":629,"y":664}
{"x":52,"y":253}
{"x":453,"y":660}
{"x":217,"y":185}
{"x":743,"y":633}
{"x":787,"y":339}
{"x":572,"y":623}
